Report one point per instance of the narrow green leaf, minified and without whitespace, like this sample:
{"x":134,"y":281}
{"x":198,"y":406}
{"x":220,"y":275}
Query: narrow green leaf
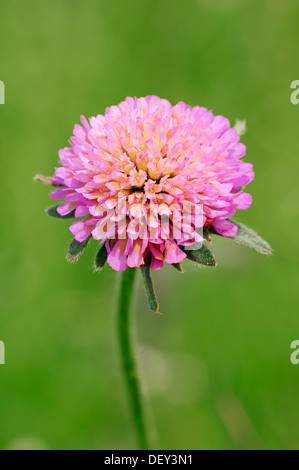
{"x":178,"y":266}
{"x":246,"y":236}
{"x":76,"y":249}
{"x":149,"y":288}
{"x":101,"y":258}
{"x":202,"y":256}
{"x":52,"y":211}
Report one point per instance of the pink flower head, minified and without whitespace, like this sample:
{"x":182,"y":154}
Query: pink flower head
{"x":133,"y":174}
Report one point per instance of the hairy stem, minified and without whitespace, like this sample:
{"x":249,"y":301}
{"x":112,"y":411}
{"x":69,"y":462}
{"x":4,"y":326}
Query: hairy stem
{"x":128,"y":357}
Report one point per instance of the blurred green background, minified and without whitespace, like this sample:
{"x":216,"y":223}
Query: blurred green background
{"x":216,"y":364}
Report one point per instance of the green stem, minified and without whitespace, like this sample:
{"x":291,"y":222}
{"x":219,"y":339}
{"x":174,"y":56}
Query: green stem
{"x":127,"y":355}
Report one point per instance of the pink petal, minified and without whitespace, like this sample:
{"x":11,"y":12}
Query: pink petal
{"x":116,"y":258}
{"x":242,"y":200}
{"x":173,"y":254}
{"x":66,"y":208}
{"x":225,"y":227}
{"x":80,"y":230}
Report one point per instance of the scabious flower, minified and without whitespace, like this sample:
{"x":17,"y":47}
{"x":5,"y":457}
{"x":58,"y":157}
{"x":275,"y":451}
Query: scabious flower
{"x":140,"y":165}
{"x":151,"y":182}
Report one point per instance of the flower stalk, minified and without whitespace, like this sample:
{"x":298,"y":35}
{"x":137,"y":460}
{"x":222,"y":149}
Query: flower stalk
{"x":128,"y":357}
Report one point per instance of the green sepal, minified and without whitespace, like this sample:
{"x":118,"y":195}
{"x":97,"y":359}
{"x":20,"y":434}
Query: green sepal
{"x":100,"y":258}
{"x":76,"y":249}
{"x":52,"y":212}
{"x":202,"y":256}
{"x":149,"y":288}
{"x":246,"y":236}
